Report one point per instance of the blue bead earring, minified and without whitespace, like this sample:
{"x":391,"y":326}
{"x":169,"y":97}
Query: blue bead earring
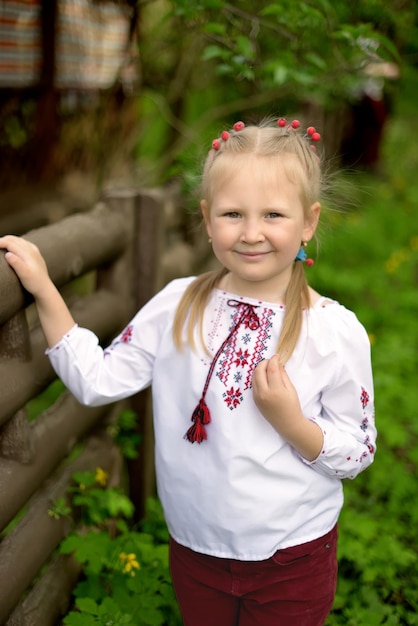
{"x":302,"y":256}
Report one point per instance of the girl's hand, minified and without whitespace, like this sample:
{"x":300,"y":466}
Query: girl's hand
{"x":28,"y":263}
{"x":275,"y":395}
{"x":278,"y":401}
{"x":30,"y":267}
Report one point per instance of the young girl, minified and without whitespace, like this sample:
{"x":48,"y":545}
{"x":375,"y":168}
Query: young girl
{"x":262,"y":389}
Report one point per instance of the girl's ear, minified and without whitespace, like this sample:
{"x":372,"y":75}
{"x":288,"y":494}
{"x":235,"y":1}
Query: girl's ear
{"x":205,"y":213}
{"x":312,"y":221}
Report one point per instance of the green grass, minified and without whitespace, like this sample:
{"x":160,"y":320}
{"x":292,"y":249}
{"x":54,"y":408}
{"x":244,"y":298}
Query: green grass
{"x":369,"y":262}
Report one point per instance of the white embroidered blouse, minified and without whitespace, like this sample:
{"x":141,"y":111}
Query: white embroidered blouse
{"x":244,"y":492}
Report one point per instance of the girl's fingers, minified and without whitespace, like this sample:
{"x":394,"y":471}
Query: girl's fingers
{"x":268,"y":374}
{"x":10,"y":257}
{"x":285,"y":380}
{"x":9,"y":242}
{"x":259,"y":374}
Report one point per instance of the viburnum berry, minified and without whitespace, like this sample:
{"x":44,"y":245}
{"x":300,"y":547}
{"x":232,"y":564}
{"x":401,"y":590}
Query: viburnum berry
{"x":216,"y":144}
{"x":311,"y":130}
{"x":295,"y":124}
{"x":225,"y":135}
{"x":281,"y":122}
{"x":315,"y":136}
{"x":239,"y":125}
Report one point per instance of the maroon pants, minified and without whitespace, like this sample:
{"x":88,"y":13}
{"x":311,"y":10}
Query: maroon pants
{"x":295,"y":587}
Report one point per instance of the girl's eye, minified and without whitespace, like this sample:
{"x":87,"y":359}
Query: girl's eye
{"x":273,"y":215}
{"x":232,"y":214}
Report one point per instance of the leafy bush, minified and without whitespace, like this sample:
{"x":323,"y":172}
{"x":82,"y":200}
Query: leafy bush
{"x":126,"y":577}
{"x":375,"y":248}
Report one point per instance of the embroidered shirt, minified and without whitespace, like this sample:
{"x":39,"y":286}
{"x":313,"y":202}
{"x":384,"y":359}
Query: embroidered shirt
{"x":244,"y":492}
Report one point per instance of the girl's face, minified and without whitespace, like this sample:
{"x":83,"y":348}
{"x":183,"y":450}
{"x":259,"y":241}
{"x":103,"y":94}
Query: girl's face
{"x":257,"y":223}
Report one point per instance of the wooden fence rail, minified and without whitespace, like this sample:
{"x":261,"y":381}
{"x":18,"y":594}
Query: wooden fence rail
{"x":115,"y":248}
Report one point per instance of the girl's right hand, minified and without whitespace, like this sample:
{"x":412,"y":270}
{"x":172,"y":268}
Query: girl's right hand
{"x":28,"y":263}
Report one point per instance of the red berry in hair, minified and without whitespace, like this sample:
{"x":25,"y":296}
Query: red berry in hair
{"x":311,"y":130}
{"x":225,"y":135}
{"x":295,"y":124}
{"x":309,"y":262}
{"x":216,"y":144}
{"x":281,"y":122}
{"x":239,"y":125}
{"x":316,"y":137}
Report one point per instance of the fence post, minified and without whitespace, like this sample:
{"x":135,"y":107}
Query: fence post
{"x":97,"y":242}
{"x":147,"y":227}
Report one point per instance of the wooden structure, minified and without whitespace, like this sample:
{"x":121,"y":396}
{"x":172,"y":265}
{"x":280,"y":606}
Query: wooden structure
{"x":116,"y":245}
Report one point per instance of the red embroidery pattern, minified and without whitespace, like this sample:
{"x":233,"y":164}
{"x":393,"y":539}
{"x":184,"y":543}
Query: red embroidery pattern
{"x":242,"y":357}
{"x":261,"y":342}
{"x":233,"y":397}
{"x":242,"y":353}
{"x":365,"y":399}
{"x":126,"y":335}
{"x":201,"y":416}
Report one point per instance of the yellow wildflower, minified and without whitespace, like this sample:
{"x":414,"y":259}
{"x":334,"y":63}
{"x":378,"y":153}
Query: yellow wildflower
{"x":129,"y":563}
{"x":396,"y":259}
{"x":101,"y":476}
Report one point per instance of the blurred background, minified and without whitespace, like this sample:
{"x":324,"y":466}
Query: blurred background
{"x":99,"y":92}
{"x":98,"y":95}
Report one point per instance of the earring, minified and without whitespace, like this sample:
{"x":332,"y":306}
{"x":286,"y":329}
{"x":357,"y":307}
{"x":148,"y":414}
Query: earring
{"x":210,"y":240}
{"x":302,"y":256}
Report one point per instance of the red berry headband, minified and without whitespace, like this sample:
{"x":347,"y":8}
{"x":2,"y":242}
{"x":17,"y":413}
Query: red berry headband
{"x":311,"y":132}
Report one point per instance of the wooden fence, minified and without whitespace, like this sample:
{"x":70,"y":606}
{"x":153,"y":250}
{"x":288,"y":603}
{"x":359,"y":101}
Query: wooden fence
{"x":116,"y":247}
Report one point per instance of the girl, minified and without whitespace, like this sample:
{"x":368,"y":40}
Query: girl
{"x":262,"y":390}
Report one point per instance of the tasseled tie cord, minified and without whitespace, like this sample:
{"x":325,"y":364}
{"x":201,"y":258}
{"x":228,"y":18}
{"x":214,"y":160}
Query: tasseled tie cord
{"x":201,"y":414}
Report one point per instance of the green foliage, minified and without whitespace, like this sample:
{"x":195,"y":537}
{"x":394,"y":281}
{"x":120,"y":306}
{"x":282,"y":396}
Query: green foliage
{"x":97,"y":504}
{"x":375,"y":248}
{"x":45,"y":399}
{"x":293,"y":44}
{"x":123,"y":432}
{"x":251,"y":59}
{"x":126,"y":577}
{"x":59,"y":508}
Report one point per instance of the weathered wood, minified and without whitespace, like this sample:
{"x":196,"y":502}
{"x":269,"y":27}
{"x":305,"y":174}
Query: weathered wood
{"x":71,"y":248}
{"x":148,"y":244}
{"x":54,"y":434}
{"x":21,"y":557}
{"x":103,"y":312}
{"x":14,"y":338}
{"x":49,"y":599}
{"x":120,"y":243}
{"x":16,"y":441}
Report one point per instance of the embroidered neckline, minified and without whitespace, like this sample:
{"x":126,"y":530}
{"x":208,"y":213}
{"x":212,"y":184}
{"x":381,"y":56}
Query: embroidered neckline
{"x":201,"y":415}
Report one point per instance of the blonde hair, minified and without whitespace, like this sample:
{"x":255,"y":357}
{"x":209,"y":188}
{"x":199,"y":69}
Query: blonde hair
{"x":266,"y":140}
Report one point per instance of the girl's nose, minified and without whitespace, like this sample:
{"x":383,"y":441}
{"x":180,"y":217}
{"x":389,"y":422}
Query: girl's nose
{"x":252,"y":232}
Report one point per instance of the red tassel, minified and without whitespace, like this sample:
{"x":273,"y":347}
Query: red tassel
{"x":200,"y":417}
{"x":196,"y":433}
{"x":201,"y":414}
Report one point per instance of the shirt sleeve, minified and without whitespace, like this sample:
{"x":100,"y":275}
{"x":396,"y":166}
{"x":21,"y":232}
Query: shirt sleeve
{"x":97,"y":376}
{"x":347,"y":415}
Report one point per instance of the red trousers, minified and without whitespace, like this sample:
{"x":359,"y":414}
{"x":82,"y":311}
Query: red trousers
{"x":295,"y":587}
